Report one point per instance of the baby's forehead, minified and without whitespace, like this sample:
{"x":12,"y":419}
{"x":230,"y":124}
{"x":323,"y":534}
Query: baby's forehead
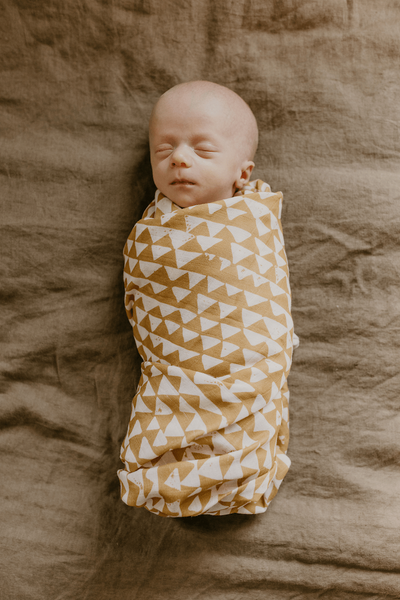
{"x":204,"y":116}
{"x":188,"y":102}
{"x":206,"y":103}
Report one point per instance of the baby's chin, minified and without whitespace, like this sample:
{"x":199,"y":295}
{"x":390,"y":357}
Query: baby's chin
{"x":191,"y":196}
{"x":184,"y":198}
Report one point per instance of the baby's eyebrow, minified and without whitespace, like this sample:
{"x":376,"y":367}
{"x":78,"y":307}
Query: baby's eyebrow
{"x":164,"y":139}
{"x":203,"y":139}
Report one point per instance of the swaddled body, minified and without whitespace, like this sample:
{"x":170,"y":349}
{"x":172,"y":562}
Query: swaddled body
{"x":208,"y":296}
{"x":209,"y":302}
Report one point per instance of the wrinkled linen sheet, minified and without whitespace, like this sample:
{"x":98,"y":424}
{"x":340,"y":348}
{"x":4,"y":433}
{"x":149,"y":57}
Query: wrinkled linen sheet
{"x":207,"y":294}
{"x":78,"y":81}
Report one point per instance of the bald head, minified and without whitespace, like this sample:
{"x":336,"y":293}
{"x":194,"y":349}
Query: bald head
{"x":203,"y":138}
{"x":219,"y":101}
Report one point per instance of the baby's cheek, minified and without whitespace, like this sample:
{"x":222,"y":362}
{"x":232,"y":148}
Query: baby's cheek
{"x":158,"y":177}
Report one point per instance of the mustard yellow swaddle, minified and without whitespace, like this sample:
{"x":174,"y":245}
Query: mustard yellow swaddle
{"x":208,"y":297}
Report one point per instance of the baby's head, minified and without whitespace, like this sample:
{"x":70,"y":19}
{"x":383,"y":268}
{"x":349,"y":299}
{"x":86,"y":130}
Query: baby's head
{"x":203,"y":138}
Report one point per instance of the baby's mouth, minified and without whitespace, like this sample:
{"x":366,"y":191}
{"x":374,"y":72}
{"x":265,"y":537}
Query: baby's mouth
{"x":182,"y":182}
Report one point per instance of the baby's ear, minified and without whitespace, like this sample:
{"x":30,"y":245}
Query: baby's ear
{"x":245,"y":173}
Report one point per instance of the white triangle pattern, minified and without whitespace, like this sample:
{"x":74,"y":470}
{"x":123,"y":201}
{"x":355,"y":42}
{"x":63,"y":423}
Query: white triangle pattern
{"x":208,"y":431}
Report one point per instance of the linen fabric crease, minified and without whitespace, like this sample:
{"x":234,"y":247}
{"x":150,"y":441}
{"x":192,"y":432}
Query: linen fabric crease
{"x":207,"y":294}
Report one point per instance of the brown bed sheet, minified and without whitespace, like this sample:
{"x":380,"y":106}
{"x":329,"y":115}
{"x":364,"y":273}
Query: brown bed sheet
{"x":78,"y":80}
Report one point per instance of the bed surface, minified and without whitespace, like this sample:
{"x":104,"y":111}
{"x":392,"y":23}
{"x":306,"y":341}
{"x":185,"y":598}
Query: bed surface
{"x":78,"y":83}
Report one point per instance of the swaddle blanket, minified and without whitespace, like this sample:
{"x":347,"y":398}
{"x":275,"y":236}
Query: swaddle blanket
{"x":208,"y":297}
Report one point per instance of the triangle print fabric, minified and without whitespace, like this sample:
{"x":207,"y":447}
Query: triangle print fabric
{"x":208,"y":297}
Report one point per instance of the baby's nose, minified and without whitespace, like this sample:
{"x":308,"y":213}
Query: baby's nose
{"x":180,"y":158}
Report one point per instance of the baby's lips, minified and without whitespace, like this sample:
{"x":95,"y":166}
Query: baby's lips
{"x":182,"y":182}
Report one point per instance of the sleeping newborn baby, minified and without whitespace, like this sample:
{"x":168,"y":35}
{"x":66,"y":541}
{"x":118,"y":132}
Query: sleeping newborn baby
{"x":203,"y":138}
{"x":208,"y":297}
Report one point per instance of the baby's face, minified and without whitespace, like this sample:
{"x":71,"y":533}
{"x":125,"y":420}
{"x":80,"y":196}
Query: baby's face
{"x":195,"y":155}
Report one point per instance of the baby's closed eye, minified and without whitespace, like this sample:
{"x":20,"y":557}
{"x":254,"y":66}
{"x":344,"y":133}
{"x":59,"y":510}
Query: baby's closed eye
{"x":164,"y":149}
{"x":205,"y":151}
